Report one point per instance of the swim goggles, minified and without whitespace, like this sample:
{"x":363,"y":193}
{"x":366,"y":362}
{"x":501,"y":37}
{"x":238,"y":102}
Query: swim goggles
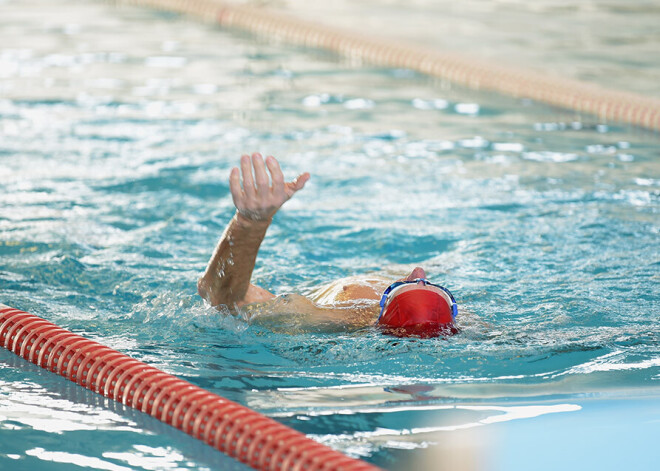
{"x":389,"y":292}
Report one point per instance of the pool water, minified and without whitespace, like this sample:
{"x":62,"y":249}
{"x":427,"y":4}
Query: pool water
{"x":118,"y":128}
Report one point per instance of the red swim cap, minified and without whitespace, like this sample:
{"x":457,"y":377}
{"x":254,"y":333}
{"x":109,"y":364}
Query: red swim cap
{"x":417,"y":311}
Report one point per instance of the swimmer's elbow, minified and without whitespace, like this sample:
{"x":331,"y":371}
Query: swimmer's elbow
{"x":217,"y":297}
{"x":203,"y":290}
{"x":208,"y":294}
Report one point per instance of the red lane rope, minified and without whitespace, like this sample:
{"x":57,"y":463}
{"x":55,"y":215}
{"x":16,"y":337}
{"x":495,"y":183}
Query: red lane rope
{"x":235,"y":430}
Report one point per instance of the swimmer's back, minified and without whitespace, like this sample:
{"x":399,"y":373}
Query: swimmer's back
{"x":344,"y":305}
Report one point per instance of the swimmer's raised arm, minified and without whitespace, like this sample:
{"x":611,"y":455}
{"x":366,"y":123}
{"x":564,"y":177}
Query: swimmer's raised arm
{"x":226,"y":280}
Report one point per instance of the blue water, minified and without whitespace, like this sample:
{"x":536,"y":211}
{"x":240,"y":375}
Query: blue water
{"x":114,"y":157}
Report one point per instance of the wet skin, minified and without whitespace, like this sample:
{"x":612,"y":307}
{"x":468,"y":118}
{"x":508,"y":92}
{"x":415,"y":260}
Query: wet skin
{"x":351,"y":301}
{"x":360,"y":287}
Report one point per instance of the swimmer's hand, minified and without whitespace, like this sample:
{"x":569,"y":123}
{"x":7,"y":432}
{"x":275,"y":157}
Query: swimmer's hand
{"x":257,"y":199}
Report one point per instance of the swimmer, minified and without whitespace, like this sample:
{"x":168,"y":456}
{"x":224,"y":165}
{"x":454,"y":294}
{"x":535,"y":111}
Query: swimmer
{"x":411,"y":305}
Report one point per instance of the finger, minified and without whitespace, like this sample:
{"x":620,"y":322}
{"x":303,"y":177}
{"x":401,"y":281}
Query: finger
{"x":235,"y":187}
{"x":297,"y":184}
{"x":275,"y":174}
{"x":248,"y":182}
{"x":260,"y":175}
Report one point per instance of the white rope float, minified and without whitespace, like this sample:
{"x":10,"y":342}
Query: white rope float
{"x":582,"y":97}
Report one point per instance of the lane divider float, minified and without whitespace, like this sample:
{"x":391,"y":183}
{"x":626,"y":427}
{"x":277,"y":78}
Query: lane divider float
{"x":231,"y":428}
{"x":582,"y":97}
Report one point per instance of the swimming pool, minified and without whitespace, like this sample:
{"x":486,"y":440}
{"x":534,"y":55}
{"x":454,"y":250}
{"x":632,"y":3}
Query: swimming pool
{"x":119,"y":127}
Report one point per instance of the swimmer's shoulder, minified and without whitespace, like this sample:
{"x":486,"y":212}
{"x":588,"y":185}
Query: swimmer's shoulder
{"x":350,"y":289}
